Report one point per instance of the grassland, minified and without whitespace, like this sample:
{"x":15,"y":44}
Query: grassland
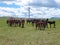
{"x":28,"y":35}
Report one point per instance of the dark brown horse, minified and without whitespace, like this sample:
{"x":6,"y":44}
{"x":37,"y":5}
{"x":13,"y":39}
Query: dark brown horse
{"x":16,"y":22}
{"x":29,"y":20}
{"x":10,"y":22}
{"x":40,"y":25}
{"x":22,"y":23}
{"x":52,"y":22}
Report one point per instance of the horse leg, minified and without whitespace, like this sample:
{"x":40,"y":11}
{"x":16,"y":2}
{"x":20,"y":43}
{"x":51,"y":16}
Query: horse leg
{"x":36,"y":26}
{"x":32,"y":23}
{"x":41,"y":26}
{"x":10,"y":24}
{"x":44,"y":27}
{"x":22,"y":25}
{"x":54,"y":25}
{"x":47,"y":25}
{"x":19,"y":24}
{"x":50,"y":25}
{"x":27,"y":22}
{"x":15,"y":24}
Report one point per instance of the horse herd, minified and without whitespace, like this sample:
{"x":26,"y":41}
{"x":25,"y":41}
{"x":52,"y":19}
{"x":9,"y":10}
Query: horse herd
{"x":38,"y":23}
{"x":16,"y":22}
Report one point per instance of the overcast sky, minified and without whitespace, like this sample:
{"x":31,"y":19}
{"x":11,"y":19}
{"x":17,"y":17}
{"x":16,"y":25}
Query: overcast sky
{"x":38,"y":8}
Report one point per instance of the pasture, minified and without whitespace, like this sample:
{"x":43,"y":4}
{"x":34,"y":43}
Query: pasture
{"x":28,"y":35}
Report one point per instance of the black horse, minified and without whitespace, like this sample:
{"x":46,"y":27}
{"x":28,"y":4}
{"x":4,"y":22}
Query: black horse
{"x":52,"y":22}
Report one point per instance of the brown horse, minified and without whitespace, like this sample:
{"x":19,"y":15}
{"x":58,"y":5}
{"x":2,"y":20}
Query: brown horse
{"x":22,"y":23}
{"x":10,"y":22}
{"x":16,"y":22}
{"x":40,"y":25}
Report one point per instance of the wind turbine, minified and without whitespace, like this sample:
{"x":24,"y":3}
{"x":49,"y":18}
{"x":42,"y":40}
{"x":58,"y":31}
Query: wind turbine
{"x":28,"y":12}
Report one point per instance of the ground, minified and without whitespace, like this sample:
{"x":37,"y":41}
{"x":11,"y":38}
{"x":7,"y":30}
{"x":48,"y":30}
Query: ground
{"x":28,"y":35}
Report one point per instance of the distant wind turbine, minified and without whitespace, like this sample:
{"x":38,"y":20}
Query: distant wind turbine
{"x":28,"y":12}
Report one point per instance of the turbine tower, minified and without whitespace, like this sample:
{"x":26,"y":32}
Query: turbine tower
{"x":28,"y":12}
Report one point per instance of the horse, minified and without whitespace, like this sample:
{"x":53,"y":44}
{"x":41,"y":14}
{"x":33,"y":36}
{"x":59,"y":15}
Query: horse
{"x":22,"y":23}
{"x":52,"y":22}
{"x":29,"y":20}
{"x":40,"y":25}
{"x":10,"y":22}
{"x":16,"y":22}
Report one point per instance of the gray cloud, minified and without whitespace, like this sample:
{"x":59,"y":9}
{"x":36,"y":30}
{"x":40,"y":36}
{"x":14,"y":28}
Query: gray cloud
{"x":46,"y":3}
{"x":6,"y":0}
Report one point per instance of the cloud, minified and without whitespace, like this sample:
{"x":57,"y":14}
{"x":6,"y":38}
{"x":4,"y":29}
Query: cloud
{"x":17,"y":2}
{"x":39,"y":8}
{"x":7,"y":11}
{"x":57,"y":1}
{"x":44,"y":3}
{"x":35,"y":3}
{"x":6,"y":0}
{"x":15,"y":12}
{"x":42,"y":12}
{"x":45,"y":12}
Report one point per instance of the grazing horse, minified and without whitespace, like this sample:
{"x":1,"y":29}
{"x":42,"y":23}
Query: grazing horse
{"x":40,"y":25}
{"x":51,"y":22}
{"x":22,"y":23}
{"x":16,"y":22}
{"x":45,"y":23}
{"x":10,"y":22}
{"x":29,"y":20}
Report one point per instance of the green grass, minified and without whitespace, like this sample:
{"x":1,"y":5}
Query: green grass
{"x":28,"y":35}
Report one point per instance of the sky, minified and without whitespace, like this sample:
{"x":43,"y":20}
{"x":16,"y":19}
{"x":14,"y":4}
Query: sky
{"x":38,"y":8}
